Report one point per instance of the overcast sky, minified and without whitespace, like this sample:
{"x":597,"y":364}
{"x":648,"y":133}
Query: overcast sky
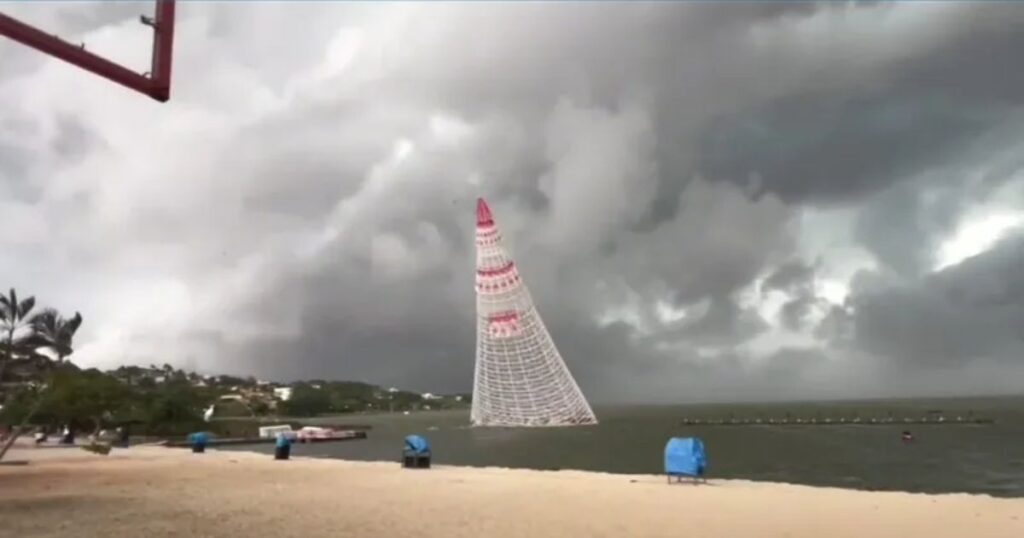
{"x":708,"y":201}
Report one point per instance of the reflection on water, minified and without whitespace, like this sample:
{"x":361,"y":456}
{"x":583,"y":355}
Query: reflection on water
{"x":944,"y":458}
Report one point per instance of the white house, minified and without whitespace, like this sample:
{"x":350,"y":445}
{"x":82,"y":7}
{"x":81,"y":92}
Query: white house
{"x":283,"y":393}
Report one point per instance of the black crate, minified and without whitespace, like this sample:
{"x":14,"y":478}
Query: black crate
{"x":415,"y":461}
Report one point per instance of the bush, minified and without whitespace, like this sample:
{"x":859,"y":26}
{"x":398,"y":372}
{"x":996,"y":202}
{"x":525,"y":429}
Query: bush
{"x":97,"y":448}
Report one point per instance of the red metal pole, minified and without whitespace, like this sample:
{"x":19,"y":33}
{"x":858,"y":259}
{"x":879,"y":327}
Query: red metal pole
{"x":157,"y":87}
{"x":163,"y":49}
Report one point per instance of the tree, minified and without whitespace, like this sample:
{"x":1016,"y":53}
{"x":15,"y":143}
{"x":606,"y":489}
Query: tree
{"x":307,"y":401}
{"x":14,"y":316}
{"x":174,"y":407}
{"x":260,"y":408}
{"x":90,"y":397}
{"x":48,"y":330}
{"x":55,"y":333}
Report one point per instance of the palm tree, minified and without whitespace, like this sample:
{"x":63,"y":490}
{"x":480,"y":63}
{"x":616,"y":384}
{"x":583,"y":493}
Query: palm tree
{"x":14,"y":315}
{"x":49,"y":330}
{"x":55,"y":333}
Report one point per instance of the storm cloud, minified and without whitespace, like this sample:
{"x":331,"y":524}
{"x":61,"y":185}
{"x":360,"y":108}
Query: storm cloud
{"x":708,"y":201}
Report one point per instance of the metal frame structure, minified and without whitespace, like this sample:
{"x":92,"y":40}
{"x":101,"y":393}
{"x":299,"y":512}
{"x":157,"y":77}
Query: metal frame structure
{"x":156,"y":84}
{"x":520,"y":378}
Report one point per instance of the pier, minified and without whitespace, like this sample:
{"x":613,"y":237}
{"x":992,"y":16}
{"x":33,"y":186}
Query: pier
{"x":932,"y":419}
{"x":226,"y":441}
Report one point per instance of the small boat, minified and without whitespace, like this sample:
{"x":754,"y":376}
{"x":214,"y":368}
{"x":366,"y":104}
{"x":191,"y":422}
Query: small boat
{"x":312,"y":434}
{"x":907,"y":437}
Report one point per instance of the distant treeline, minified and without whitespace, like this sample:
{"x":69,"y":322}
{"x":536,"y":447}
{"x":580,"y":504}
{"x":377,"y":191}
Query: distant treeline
{"x":166,"y":401}
{"x":91,"y":400}
{"x":40,"y":387}
{"x":331,"y":397}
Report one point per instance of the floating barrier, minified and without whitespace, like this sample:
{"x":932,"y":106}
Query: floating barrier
{"x":934,"y":419}
{"x":223,"y":441}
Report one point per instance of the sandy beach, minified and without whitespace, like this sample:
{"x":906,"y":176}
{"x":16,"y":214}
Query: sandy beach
{"x":154,"y":492}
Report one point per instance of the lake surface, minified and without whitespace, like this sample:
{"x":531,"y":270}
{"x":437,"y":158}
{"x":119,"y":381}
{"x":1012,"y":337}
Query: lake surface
{"x":943,"y":458}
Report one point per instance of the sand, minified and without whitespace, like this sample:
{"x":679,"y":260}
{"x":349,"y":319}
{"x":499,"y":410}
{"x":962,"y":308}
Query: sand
{"x":156,"y":492}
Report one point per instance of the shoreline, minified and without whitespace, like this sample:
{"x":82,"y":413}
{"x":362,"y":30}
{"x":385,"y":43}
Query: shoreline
{"x":635,"y":475}
{"x":153,"y":450}
{"x":159,"y":491}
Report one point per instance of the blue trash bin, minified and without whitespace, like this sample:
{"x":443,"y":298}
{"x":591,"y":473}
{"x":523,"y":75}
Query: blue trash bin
{"x":282,"y":447}
{"x":416,"y":454}
{"x":685,"y":457}
{"x":198,"y":440}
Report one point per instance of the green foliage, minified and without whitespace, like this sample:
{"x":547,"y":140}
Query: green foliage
{"x":97,"y":448}
{"x":321,"y":398}
{"x":260,"y":408}
{"x":232,"y":381}
{"x":14,"y":313}
{"x":89,"y":397}
{"x":172,"y":408}
{"x":52,"y":331}
{"x":90,"y":400}
{"x":155,"y":400}
{"x":307,"y":401}
{"x":234,"y":409}
{"x":17,"y":406}
{"x":14,"y":318}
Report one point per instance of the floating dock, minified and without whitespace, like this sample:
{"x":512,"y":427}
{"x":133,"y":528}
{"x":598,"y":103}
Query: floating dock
{"x":226,"y":441}
{"x":931,"y":420}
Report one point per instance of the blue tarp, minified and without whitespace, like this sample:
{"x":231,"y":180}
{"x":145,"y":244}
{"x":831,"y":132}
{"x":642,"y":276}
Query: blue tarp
{"x":417,"y":444}
{"x":282,"y":441}
{"x":198,"y":438}
{"x":685,"y":456}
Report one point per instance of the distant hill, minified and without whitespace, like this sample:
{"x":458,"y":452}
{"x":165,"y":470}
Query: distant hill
{"x":249,"y":396}
{"x":252,"y":396}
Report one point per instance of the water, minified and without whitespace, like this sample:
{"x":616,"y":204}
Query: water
{"x":943,"y":459}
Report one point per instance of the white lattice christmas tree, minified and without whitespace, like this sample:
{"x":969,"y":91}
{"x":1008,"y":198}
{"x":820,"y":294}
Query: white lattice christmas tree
{"x":520,"y":377}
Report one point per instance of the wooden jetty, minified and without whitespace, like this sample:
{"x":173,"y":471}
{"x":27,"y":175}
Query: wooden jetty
{"x":226,"y":441}
{"x":932,"y":419}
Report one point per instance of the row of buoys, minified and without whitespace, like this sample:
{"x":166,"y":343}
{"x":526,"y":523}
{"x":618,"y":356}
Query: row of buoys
{"x":840,"y":420}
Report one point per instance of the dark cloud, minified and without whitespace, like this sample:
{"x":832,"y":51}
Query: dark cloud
{"x":724,"y":323}
{"x":794,"y":313}
{"x":977,"y":64}
{"x":73,"y":140}
{"x":794,"y":276}
{"x":973,"y":310}
{"x":307,"y":197}
{"x":15,"y":158}
{"x":836,"y":327}
{"x":891,"y":228}
{"x":829,"y":148}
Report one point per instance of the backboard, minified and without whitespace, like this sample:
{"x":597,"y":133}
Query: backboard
{"x":156,"y":83}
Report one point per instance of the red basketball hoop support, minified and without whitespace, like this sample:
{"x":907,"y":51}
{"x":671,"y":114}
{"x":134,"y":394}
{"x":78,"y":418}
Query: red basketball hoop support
{"x":157,"y":84}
